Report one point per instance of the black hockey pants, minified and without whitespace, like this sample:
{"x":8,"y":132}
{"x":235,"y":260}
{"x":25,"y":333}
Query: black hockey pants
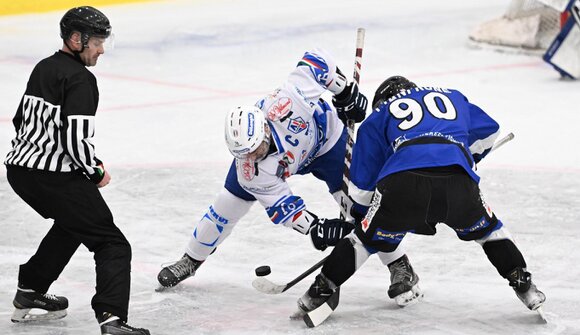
{"x":415,"y":201}
{"x":81,"y":216}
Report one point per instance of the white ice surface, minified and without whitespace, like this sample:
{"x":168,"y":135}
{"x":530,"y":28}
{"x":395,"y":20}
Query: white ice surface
{"x":178,"y":66}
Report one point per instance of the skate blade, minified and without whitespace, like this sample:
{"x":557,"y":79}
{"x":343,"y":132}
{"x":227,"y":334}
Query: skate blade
{"x":410,"y":297}
{"x":160,"y":288}
{"x":36,"y":314}
{"x":542,"y":314}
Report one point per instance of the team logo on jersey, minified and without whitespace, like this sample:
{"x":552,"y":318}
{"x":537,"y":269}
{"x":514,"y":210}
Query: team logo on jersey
{"x":297,"y":125}
{"x":279,"y":109}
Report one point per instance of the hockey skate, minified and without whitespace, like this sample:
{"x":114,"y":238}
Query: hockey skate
{"x":175,"y":273}
{"x":404,"y":288}
{"x":112,"y":325}
{"x":27,"y":302}
{"x":318,"y":302}
{"x":527,"y":292}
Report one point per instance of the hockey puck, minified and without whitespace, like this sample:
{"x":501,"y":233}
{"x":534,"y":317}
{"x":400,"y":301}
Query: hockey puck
{"x":263,"y":270}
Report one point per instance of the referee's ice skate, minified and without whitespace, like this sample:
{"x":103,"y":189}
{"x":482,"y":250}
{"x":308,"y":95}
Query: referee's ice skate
{"x":113,"y":325}
{"x":33,"y":306}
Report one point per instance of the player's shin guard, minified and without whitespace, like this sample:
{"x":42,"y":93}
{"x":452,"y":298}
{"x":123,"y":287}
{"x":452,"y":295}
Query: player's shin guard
{"x":348,"y":255}
{"x":213,"y":228}
{"x":208,"y":233}
{"x":504,"y":255}
{"x":216,"y":224}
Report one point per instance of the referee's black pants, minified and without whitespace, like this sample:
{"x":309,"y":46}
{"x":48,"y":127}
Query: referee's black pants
{"x":81,"y":216}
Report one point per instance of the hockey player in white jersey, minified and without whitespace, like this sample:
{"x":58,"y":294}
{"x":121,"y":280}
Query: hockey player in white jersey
{"x":290,"y":131}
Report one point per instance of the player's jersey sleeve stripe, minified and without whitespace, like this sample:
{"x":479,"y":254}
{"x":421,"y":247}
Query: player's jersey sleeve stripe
{"x":363,"y":197}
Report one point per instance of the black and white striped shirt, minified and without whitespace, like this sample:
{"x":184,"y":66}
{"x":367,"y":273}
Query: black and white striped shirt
{"x":55,"y":121}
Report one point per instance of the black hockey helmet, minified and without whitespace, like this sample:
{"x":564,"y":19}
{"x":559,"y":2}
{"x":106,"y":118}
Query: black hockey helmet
{"x":87,"y":20}
{"x":390,"y":87}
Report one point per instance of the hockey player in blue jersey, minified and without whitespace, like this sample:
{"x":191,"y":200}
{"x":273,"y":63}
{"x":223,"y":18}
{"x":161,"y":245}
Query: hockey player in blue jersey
{"x":290,"y":131}
{"x":413,"y":167}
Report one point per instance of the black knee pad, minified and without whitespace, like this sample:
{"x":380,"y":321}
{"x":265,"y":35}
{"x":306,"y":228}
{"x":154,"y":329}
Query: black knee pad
{"x":340,"y":265}
{"x":504,"y":255}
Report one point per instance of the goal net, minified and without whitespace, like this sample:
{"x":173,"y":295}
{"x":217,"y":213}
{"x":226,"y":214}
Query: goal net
{"x":527,"y":24}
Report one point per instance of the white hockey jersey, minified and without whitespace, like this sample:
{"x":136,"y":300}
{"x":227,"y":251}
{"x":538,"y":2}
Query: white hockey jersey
{"x":303,"y":126}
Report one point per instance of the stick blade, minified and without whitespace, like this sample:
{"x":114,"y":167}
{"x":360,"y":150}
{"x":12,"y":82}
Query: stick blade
{"x":317,"y":316}
{"x":264,"y":285}
{"x":320,"y":314}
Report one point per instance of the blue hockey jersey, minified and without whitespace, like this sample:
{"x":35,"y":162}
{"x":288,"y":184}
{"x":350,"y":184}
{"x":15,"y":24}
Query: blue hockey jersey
{"x":420,"y":127}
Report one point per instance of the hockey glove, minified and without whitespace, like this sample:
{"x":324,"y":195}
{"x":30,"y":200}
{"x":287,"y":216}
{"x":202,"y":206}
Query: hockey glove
{"x":327,"y":232}
{"x":350,"y":104}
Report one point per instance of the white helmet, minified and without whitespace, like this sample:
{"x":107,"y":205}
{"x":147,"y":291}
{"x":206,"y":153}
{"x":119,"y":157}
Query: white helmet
{"x":245,"y":130}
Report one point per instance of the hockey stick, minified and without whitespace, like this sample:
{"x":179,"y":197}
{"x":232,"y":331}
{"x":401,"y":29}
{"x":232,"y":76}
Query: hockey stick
{"x":360,"y":40}
{"x":264,"y":285}
{"x":502,"y":141}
